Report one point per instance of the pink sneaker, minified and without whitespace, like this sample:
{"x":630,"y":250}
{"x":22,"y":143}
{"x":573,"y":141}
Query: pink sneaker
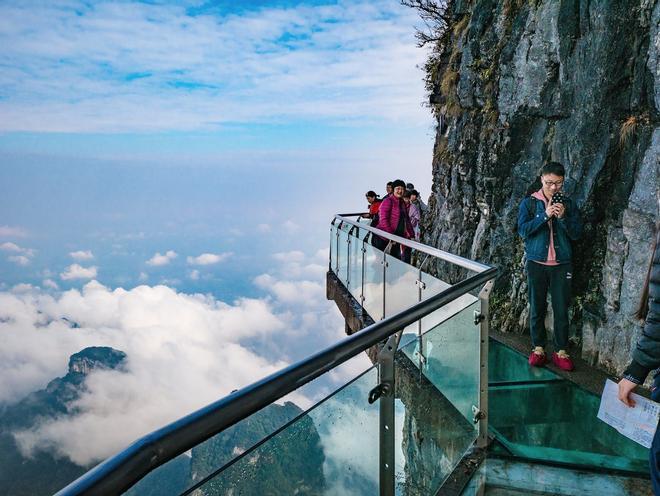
{"x":563,"y":361}
{"x":537,"y":357}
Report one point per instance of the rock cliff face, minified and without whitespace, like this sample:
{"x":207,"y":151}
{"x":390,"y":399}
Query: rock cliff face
{"x":515,"y":83}
{"x":95,"y":357}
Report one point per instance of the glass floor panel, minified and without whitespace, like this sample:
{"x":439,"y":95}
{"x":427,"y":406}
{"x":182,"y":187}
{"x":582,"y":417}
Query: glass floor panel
{"x":506,"y":365}
{"x":543,"y":417}
{"x":501,"y":477}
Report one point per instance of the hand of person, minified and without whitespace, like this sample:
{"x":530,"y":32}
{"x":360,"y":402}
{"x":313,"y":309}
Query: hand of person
{"x":551,"y":210}
{"x":625,"y":388}
{"x":560,"y":210}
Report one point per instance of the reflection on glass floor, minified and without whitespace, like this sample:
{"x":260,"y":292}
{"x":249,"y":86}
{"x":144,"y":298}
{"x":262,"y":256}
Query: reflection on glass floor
{"x":498,"y":477}
{"x":537,"y":415}
{"x":548,"y":439}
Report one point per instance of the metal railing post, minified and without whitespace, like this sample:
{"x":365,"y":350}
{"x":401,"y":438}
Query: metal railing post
{"x":421,"y":286}
{"x":364,"y":270}
{"x":348,"y":258}
{"x":386,"y":414}
{"x":337,"y":250}
{"x":332,"y":227}
{"x":385,"y":253}
{"x":484,"y":298}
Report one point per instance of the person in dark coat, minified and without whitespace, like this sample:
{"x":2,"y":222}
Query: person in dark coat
{"x":646,"y":356}
{"x":548,"y":221}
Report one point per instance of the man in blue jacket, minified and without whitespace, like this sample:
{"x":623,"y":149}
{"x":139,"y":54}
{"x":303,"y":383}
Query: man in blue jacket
{"x":548,"y":221}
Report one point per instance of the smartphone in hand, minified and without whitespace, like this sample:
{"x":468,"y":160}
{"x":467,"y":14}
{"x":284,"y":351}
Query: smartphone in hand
{"x":558,"y":197}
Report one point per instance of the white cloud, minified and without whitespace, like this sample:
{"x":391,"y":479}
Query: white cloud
{"x":322,"y":255}
{"x":76,"y":271}
{"x":340,"y":63}
{"x":9,"y":231}
{"x":174,"y":341}
{"x":170,"y":281}
{"x":49,"y":283}
{"x":19,"y":259}
{"x":290,"y":256}
{"x":10,"y":247}
{"x":158,"y":260}
{"x":194,"y":275}
{"x":297,"y":265}
{"x":25,"y":254}
{"x":291,"y":227}
{"x":82,"y":255}
{"x":208,"y":258}
{"x":22,"y":288}
{"x":143,"y":276}
{"x":304,"y":293}
{"x":264,"y":228}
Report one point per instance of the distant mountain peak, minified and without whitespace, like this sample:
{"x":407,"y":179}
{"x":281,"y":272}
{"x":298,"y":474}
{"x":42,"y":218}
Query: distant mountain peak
{"x":95,"y":357}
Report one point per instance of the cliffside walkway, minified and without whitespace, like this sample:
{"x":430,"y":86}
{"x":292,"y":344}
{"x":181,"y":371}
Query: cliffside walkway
{"x":443,"y":409}
{"x":542,"y":423}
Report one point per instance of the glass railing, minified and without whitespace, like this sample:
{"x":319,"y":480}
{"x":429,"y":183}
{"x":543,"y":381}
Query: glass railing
{"x":439,"y":439}
{"x":534,"y":413}
{"x":331,"y":449}
{"x":445,"y":348}
{"x":451,"y":351}
{"x":399,"y":427}
{"x":382,"y":283}
{"x":226,"y":462}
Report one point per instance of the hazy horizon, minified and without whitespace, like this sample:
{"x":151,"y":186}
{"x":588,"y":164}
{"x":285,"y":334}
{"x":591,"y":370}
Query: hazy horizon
{"x":169,"y":172}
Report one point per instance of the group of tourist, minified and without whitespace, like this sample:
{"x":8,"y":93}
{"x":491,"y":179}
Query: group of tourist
{"x":548,"y":222}
{"x":399,"y":212}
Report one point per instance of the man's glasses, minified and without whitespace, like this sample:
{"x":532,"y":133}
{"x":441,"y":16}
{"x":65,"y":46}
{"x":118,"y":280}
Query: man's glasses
{"x":558,"y":184}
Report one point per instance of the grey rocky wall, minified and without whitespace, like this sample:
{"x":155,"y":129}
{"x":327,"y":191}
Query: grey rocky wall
{"x":515,"y":83}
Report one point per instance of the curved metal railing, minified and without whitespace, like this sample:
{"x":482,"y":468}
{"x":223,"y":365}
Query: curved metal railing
{"x":120,"y":472}
{"x":466,"y":263}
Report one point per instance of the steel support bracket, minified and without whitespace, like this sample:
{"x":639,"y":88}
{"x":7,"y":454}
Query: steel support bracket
{"x":385,"y":391}
{"x":477,"y":415}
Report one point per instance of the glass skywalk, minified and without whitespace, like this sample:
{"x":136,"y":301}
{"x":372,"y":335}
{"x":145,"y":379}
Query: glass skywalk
{"x":401,"y":426}
{"x":534,"y":414}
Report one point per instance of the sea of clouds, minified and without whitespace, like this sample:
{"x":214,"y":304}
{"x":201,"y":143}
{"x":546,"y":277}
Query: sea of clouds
{"x":183,"y":351}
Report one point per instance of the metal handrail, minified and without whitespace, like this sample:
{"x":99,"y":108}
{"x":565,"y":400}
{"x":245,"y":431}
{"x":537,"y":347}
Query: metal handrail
{"x":435,"y":252}
{"x":118,"y":473}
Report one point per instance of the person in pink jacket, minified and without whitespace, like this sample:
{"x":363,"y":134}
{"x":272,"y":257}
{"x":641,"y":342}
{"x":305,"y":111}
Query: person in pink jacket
{"x":393,"y":218}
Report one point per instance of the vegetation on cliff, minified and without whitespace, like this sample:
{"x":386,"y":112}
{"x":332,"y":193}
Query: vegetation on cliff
{"x":514,"y":83}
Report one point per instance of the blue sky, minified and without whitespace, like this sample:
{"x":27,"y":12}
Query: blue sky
{"x":165,"y":120}
{"x":168,"y":172}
